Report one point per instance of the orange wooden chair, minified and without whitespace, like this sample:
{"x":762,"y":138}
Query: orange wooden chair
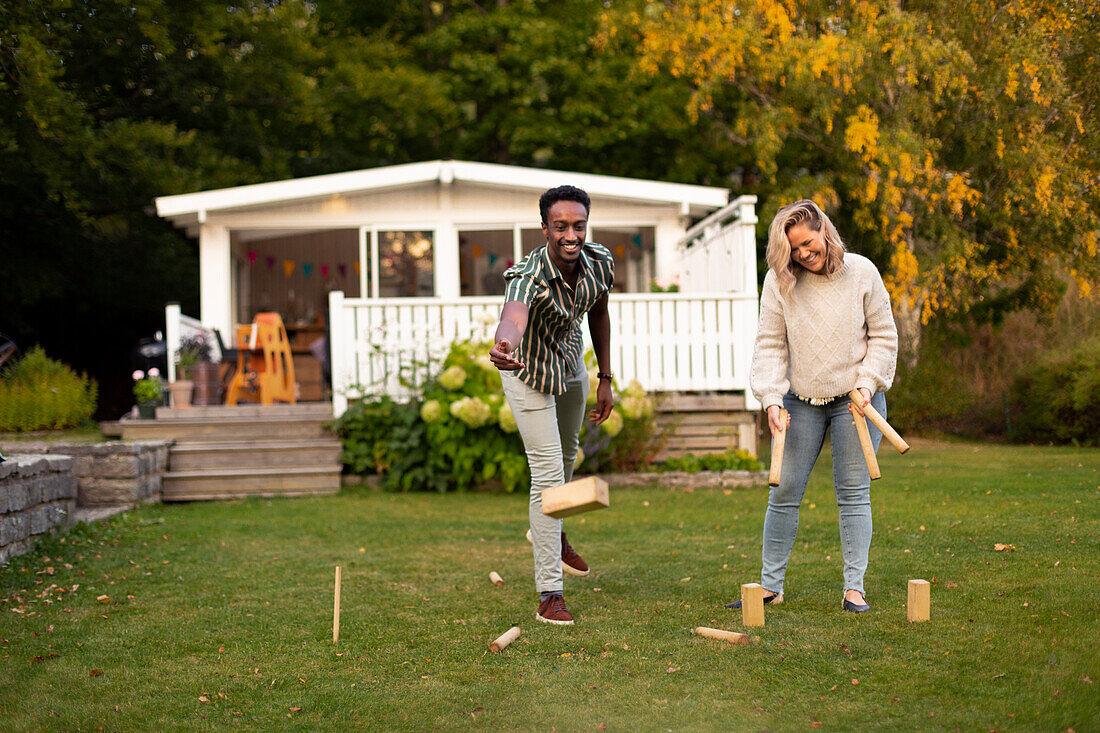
{"x":265,"y":368}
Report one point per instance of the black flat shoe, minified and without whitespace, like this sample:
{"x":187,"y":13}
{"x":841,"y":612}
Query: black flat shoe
{"x":856,"y":607}
{"x":777,"y":597}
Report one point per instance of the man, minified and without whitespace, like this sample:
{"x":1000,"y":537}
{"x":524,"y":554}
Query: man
{"x":539,"y":353}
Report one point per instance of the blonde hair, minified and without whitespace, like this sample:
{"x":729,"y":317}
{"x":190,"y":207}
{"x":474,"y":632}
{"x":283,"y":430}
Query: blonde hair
{"x":779,"y":246}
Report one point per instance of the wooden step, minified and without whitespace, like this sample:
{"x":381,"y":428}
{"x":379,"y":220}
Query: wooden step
{"x":203,"y":456}
{"x":219,"y":412}
{"x":238,"y":483}
{"x":225,"y":430}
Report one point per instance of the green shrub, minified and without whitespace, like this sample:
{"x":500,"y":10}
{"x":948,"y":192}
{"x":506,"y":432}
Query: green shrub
{"x":39,"y":393}
{"x":459,"y":432}
{"x":732,"y":460}
{"x":1057,"y":400}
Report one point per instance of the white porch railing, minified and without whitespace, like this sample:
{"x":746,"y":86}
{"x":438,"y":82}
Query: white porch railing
{"x":718,"y":254}
{"x":668,"y":342}
{"x":177,"y":327}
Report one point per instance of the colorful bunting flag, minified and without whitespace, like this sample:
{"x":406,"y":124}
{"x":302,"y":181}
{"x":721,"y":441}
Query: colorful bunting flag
{"x":307,"y":269}
{"x":270,"y":262}
{"x":324,"y":271}
{"x":288,"y":267}
{"x":252,"y":255}
{"x":356,"y":265}
{"x":621,"y":250}
{"x":478,"y":251}
{"x":342,"y":269}
{"x":637,"y":239}
{"x":493,"y":259}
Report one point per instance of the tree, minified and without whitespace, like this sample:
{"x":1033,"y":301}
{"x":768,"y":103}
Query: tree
{"x":953,"y":141}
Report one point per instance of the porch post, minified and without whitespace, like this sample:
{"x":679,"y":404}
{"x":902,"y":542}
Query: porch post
{"x":172,"y":337}
{"x":666,"y":235}
{"x":215,"y":271}
{"x":340,"y":350}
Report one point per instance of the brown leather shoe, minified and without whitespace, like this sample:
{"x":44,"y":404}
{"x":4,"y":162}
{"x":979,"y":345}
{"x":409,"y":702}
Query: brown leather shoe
{"x":571,"y":562}
{"x":553,"y":611}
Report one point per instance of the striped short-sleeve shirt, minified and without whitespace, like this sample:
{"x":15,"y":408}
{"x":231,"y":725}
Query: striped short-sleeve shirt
{"x":551,"y":347}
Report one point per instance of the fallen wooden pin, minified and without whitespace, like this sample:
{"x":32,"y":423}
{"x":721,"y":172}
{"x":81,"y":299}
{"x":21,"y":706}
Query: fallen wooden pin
{"x":752,"y":604}
{"x":502,"y":641}
{"x":336,"y":609}
{"x":576,"y":497}
{"x":920,"y":600}
{"x":778,"y":441}
{"x":497,"y":580}
{"x":731,"y":636}
{"x":865,"y":443}
{"x":880,"y":422}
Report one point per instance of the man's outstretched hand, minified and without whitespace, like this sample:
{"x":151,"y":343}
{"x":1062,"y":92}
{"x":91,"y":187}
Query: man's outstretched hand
{"x":501,"y":356}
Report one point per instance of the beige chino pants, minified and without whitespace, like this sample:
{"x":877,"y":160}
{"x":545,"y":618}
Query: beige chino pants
{"x":549,"y":425}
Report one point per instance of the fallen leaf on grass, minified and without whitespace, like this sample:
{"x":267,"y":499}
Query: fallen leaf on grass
{"x":816,"y":724}
{"x":1001,"y":547}
{"x":104,"y":598}
{"x":855,"y":681}
{"x":673,"y":669}
{"x":95,"y":673}
{"x":204,"y":698}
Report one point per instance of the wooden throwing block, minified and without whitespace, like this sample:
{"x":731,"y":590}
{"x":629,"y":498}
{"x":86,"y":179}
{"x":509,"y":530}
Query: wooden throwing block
{"x":752,"y":604}
{"x":920,"y":600}
{"x":576,"y":497}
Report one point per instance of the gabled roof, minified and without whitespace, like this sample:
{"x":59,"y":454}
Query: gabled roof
{"x":190,"y":205}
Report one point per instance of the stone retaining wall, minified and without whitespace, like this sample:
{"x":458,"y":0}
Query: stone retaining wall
{"x":37,"y":494}
{"x":113,"y":473}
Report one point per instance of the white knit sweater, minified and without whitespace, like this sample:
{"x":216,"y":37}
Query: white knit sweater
{"x":834,"y":333}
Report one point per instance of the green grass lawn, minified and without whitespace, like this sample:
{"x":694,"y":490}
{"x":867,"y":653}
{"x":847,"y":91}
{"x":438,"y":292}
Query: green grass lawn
{"x":219,"y":615}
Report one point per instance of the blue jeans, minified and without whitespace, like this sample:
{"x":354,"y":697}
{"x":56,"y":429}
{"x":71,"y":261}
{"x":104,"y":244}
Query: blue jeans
{"x":851,"y":482}
{"x":549,"y":426}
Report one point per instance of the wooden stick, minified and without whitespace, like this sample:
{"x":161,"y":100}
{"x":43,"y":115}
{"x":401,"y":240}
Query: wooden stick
{"x":778,"y":441}
{"x":865,"y":443}
{"x":731,"y":636}
{"x":879,"y":421}
{"x":497,"y":580}
{"x":336,"y":610}
{"x":498,"y":644}
{"x":752,"y":604}
{"x":920,"y":600}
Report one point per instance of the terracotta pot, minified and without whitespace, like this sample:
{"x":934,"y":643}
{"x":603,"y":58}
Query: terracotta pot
{"x":181,"y":392}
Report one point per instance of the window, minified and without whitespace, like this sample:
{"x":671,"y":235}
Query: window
{"x":405,"y":264}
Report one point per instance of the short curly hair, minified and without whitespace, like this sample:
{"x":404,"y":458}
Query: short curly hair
{"x":563,"y":193}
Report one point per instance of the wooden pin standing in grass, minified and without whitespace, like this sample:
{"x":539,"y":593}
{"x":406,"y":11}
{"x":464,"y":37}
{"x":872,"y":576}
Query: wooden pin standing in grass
{"x":920,"y":600}
{"x":336,"y":609}
{"x":752,"y":604}
{"x":880,"y":422}
{"x":498,"y":644}
{"x":778,"y":441}
{"x":497,"y":580}
{"x":865,"y":443}
{"x":731,"y":636}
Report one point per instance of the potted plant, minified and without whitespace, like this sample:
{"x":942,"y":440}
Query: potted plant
{"x":197,"y":365}
{"x":193,"y":350}
{"x":148,"y":392}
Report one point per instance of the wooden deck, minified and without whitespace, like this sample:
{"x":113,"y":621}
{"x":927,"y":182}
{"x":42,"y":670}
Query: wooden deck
{"x":222,"y":452}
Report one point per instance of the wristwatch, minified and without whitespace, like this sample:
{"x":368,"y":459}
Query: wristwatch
{"x":605,"y":375}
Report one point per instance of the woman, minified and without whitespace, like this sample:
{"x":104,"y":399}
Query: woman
{"x":826,"y":328}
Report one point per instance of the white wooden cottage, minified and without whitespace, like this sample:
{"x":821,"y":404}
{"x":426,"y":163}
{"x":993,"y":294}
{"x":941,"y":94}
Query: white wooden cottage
{"x":403,"y":259}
